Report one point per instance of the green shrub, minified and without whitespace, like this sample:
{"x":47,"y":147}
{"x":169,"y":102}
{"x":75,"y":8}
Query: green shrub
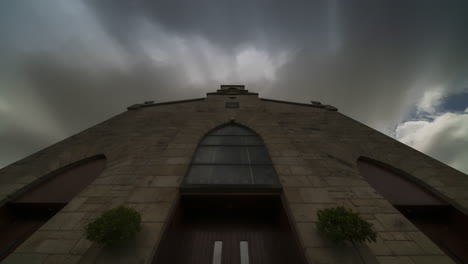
{"x":341,"y":224}
{"x":114,"y":226}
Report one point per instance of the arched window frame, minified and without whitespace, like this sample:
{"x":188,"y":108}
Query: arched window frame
{"x":418,"y":184}
{"x":272,"y":185}
{"x":28,"y":209}
{"x":431,"y":213}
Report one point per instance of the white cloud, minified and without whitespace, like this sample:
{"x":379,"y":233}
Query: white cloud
{"x":201,"y":61}
{"x":444,"y":138}
{"x":253,"y":64}
{"x":430,"y":101}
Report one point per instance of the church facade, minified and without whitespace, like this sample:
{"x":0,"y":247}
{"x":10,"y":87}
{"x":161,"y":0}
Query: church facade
{"x":232,"y":178}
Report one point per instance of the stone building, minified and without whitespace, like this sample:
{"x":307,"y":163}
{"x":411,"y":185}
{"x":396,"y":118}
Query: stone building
{"x":232,"y":178}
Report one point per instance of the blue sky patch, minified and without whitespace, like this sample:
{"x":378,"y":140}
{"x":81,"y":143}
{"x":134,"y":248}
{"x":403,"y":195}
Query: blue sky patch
{"x":455,"y":102}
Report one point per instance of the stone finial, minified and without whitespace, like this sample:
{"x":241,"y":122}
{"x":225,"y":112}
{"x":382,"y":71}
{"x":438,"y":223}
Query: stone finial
{"x":331,"y":108}
{"x":134,"y":107}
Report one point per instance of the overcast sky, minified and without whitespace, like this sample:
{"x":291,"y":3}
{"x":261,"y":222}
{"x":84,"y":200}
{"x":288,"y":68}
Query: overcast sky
{"x":400,"y":67}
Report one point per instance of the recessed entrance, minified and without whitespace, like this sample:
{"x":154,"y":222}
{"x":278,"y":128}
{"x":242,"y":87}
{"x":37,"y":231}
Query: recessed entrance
{"x":229,"y":229}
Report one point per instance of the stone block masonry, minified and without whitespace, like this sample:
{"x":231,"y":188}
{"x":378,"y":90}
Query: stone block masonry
{"x":314,"y":151}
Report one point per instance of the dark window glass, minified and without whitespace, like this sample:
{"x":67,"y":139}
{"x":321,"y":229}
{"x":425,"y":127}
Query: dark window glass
{"x":222,"y":155}
{"x":263,"y":174}
{"x":232,"y":130}
{"x":231,"y":174}
{"x":231,"y":140}
{"x":258,"y":155}
{"x":219,"y":174}
{"x":231,"y":155}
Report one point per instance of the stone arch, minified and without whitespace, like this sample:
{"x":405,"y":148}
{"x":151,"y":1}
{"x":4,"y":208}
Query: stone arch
{"x":248,"y":124}
{"x":217,"y":210}
{"x":34,"y":205}
{"x":61,"y":185}
{"x":231,"y":156}
{"x":444,"y":224}
{"x":386,"y":178}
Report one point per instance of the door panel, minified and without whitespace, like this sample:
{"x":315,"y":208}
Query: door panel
{"x":258,"y":221}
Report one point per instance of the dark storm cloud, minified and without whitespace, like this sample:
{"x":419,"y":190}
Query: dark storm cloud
{"x":230,"y":23}
{"x":76,"y":63}
{"x":366,"y":51}
{"x":74,"y":93}
{"x":225,"y":23}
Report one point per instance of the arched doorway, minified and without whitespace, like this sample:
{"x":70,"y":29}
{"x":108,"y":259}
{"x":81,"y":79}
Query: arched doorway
{"x":27,"y":212}
{"x":231,"y":210}
{"x":442,"y":223}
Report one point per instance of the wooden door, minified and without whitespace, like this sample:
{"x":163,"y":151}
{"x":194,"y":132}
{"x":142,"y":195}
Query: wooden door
{"x":229,"y":230}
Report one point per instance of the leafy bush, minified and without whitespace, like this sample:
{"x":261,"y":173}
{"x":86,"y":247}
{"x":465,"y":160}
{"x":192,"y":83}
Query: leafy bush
{"x":341,"y":224}
{"x":114,"y":226}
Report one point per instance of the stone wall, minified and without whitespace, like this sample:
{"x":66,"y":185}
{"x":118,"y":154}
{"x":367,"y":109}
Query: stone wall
{"x":148,"y":152}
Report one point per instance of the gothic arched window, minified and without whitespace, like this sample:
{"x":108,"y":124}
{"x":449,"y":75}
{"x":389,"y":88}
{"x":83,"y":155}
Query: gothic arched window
{"x":229,"y":156}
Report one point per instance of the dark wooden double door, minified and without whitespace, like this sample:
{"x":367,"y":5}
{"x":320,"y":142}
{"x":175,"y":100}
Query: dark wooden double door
{"x":229,"y":230}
